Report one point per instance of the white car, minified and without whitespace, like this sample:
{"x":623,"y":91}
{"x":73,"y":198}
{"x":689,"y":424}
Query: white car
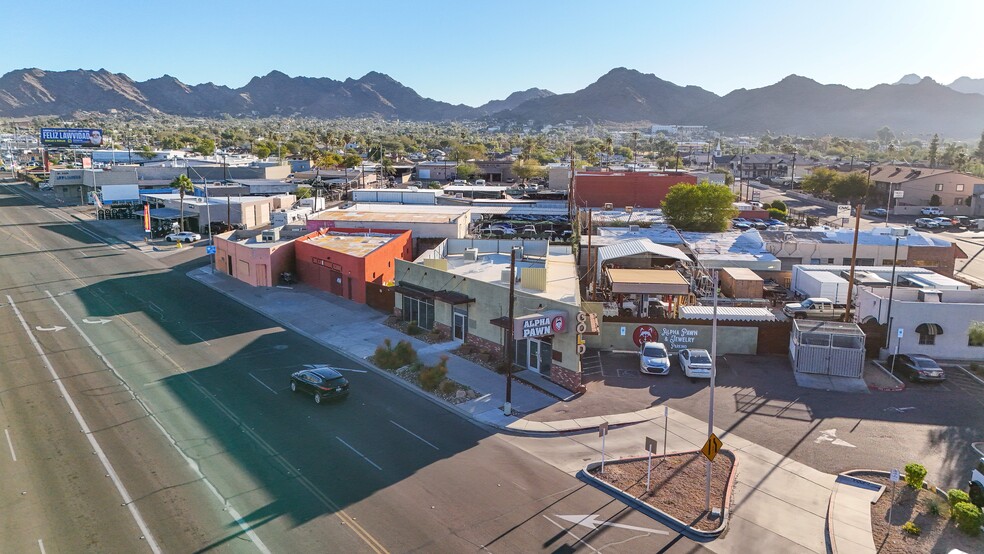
{"x":927,"y":222}
{"x":943,"y":221}
{"x":932,"y":210}
{"x":183,"y":236}
{"x":695,"y":363}
{"x":653,"y":359}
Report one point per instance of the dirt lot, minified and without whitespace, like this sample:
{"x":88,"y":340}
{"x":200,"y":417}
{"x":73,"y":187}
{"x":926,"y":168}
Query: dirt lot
{"x":939,"y":534}
{"x":677,"y":485}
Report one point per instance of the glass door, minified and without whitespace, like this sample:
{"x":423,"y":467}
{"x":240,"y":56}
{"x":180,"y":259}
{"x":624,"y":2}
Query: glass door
{"x":534,"y":356}
{"x":460,"y":327}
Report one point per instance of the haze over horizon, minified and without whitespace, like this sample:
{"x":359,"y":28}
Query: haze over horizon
{"x":471,"y":53}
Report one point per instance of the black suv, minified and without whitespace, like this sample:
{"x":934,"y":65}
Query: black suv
{"x":916,"y":367}
{"x":321,"y":382}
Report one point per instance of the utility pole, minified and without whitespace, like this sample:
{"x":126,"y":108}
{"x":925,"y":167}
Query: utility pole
{"x":854,"y":257}
{"x":710,"y":417}
{"x":510,"y":335}
{"x":792,"y":174}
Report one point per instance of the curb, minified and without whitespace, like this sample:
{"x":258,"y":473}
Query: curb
{"x":898,"y":388}
{"x":656,"y":513}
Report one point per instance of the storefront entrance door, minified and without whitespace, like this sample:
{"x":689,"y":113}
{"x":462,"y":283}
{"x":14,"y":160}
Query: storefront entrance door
{"x":460,"y":326}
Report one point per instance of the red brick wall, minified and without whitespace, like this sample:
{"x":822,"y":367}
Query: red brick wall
{"x":570,"y":380}
{"x":940,"y":260}
{"x":638,"y":189}
{"x":378,"y":266}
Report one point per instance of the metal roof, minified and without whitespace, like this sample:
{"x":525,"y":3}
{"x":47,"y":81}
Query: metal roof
{"x":623,"y":249}
{"x":727,"y":313}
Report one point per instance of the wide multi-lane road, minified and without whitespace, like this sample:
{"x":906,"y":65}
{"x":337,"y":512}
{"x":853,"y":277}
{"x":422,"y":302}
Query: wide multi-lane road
{"x":144,"y":412}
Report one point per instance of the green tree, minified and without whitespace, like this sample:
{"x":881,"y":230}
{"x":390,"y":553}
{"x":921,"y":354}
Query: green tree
{"x":819,"y":182}
{"x":468,"y":170}
{"x":146,"y":152}
{"x":703,"y":207}
{"x":324,"y":160}
{"x":184,"y":185}
{"x":885,"y":135}
{"x":979,"y":153}
{"x":849,"y":188}
{"x":526,"y":170}
{"x":205,"y":147}
{"x":261,"y":152}
{"x":302,"y":192}
{"x":934,"y":150}
{"x":351,"y":160}
{"x":935,"y":200}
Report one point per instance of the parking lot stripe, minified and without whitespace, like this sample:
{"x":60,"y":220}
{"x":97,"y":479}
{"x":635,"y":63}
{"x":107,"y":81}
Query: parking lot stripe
{"x":363,"y":456}
{"x":566,"y":530}
{"x":414,"y":434}
{"x":10,"y":443}
{"x":262,"y":383}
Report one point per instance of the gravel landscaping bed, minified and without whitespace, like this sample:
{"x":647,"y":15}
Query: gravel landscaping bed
{"x":938,"y":533}
{"x":677,"y":485}
{"x":449,"y":390}
{"x":430,"y":337}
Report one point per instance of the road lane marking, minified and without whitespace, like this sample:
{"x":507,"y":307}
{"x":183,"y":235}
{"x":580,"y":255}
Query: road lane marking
{"x":200,"y":338}
{"x":41,"y":546}
{"x":352,"y":370}
{"x":414,"y":434}
{"x":830,"y":435}
{"x":54,"y":328}
{"x":592,"y":522}
{"x":262,"y":383}
{"x":232,"y":511}
{"x":566,"y":530}
{"x":10,"y":443}
{"x":352,"y":448}
{"x":127,"y":500}
{"x":100,"y":321}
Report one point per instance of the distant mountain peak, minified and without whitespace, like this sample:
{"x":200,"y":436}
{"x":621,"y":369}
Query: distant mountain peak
{"x":910,"y":79}
{"x":968,"y":85}
{"x":514,"y":100}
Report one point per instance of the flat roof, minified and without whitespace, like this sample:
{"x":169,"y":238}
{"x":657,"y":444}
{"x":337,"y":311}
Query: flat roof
{"x":387,"y":216}
{"x":358,"y":245}
{"x":647,"y":276}
{"x":562,"y":281}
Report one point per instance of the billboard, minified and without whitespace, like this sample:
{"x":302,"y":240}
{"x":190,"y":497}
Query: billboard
{"x":87,"y":138}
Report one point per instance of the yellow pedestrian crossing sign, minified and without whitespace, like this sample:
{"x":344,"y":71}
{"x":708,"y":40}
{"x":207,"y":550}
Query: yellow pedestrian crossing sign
{"x":711,"y":447}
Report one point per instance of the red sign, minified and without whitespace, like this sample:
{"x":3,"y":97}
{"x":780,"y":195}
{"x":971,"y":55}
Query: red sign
{"x":644,"y":334}
{"x":559,"y":324}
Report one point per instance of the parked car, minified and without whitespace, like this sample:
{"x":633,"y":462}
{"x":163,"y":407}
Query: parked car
{"x":931,"y":210}
{"x":695,"y":363}
{"x":943,"y":221}
{"x":927,"y":222}
{"x":183,"y":236}
{"x":321,"y":382}
{"x":917,"y":367}
{"x":653,"y":359}
{"x":814,"y":308}
{"x":759,"y":224}
{"x":961,"y":221}
{"x":878,"y":212}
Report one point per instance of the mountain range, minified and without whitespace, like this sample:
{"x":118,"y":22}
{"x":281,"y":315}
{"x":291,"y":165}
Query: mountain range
{"x":914,"y":105}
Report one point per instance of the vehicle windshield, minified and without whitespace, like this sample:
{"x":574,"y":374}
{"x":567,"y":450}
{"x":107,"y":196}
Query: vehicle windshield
{"x":654,"y":352}
{"x":926,"y":363}
{"x":700,"y":359}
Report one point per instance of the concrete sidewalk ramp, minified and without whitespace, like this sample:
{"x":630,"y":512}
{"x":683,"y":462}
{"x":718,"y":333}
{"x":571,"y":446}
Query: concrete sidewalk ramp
{"x":849,"y":515}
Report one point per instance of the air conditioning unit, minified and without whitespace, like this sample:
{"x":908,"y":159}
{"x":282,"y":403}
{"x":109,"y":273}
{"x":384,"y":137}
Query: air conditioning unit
{"x":272,"y":235}
{"x":519,"y":253}
{"x":609,"y":206}
{"x":932,"y":296}
{"x":505,"y":274}
{"x":471,"y":254}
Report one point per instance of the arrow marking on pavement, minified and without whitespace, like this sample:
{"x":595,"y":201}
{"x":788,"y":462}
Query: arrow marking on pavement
{"x":96,"y":321}
{"x":56,"y":328}
{"x":591,"y":522}
{"x":830,"y":435}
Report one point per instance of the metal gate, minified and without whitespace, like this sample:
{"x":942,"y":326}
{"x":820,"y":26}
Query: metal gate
{"x":827,"y":348}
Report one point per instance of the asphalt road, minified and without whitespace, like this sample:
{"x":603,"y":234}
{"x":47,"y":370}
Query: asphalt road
{"x":147,"y":413}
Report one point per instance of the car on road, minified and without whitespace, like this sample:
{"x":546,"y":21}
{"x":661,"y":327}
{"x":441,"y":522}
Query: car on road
{"x":183,"y":236}
{"x":878,"y":212}
{"x":695,"y":363}
{"x":927,"y":223}
{"x":917,"y":367}
{"x":653,"y":359}
{"x":931,"y":210}
{"x":322,"y":383}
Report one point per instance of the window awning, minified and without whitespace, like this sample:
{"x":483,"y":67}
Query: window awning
{"x":421,"y":293}
{"x":931,"y":329}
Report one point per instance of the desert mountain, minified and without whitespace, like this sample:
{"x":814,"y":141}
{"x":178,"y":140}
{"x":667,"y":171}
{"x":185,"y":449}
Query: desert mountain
{"x":968,"y":85}
{"x":513,"y":100}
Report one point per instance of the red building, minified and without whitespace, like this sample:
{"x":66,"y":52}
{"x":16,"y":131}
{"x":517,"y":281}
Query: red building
{"x":343,"y":261}
{"x":638,"y":189}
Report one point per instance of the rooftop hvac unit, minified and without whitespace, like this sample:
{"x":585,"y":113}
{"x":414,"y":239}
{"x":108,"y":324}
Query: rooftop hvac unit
{"x":505,"y":274}
{"x":930,"y":295}
{"x":609,"y":206}
{"x":519,"y":252}
{"x":633,"y":228}
{"x":272,"y":235}
{"x":471,"y":254}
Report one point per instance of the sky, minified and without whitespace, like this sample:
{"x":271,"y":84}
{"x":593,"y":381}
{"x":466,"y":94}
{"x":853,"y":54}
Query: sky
{"x":471,"y":51}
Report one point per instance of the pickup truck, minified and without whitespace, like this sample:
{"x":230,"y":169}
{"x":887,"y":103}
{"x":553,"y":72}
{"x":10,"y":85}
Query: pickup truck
{"x":813,"y":308}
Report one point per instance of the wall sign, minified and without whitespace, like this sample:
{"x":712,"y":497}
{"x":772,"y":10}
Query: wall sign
{"x":540,"y":325}
{"x":644,"y":334}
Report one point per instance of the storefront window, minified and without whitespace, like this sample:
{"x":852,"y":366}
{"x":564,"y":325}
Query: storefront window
{"x":419,"y":310}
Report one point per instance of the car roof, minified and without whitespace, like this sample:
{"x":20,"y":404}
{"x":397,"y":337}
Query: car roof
{"x":699,"y":351}
{"x":659,"y":344}
{"x":326,"y":372}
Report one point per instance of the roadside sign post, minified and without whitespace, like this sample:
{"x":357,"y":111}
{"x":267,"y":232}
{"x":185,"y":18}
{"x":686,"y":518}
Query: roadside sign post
{"x":710,"y":450}
{"x":710,"y":419}
{"x":666,"y":423}
{"x":898,"y":342}
{"x":602,"y":431}
{"x":650,"y":446}
{"x":894,"y":478}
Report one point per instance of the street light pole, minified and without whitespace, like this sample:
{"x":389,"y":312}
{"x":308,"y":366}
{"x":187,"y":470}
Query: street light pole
{"x":899,"y":234}
{"x":854,"y":257}
{"x":710,"y":417}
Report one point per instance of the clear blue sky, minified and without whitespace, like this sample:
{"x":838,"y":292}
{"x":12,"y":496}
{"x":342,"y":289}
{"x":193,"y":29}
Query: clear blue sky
{"x":474,"y":51}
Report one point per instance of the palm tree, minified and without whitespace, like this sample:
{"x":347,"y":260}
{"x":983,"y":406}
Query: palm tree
{"x":183,"y":184}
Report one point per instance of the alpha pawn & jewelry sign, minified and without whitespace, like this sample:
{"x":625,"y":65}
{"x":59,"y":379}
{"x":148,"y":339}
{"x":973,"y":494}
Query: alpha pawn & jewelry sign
{"x":540,"y":325}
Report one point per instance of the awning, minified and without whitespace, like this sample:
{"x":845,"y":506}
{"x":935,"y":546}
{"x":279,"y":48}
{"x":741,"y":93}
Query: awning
{"x":421,"y":293}
{"x":930,"y":329}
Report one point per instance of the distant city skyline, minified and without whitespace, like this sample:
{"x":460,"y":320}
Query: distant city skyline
{"x":473,"y":52}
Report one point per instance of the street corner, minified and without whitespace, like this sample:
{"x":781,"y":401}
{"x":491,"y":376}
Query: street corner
{"x":672,"y":488}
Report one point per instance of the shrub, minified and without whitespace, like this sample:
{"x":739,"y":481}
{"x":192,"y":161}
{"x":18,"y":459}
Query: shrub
{"x":431,"y":377}
{"x":779,"y":205}
{"x":935,"y":200}
{"x":934,"y":507}
{"x":912,"y":528}
{"x":975,"y":335}
{"x":955,"y":496}
{"x":404,"y":353}
{"x":776,"y":213}
{"x":413,"y":328}
{"x":416,"y":367}
{"x":968,"y":517}
{"x":448,"y":387}
{"x":914,"y":475}
{"x":383,"y":356}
